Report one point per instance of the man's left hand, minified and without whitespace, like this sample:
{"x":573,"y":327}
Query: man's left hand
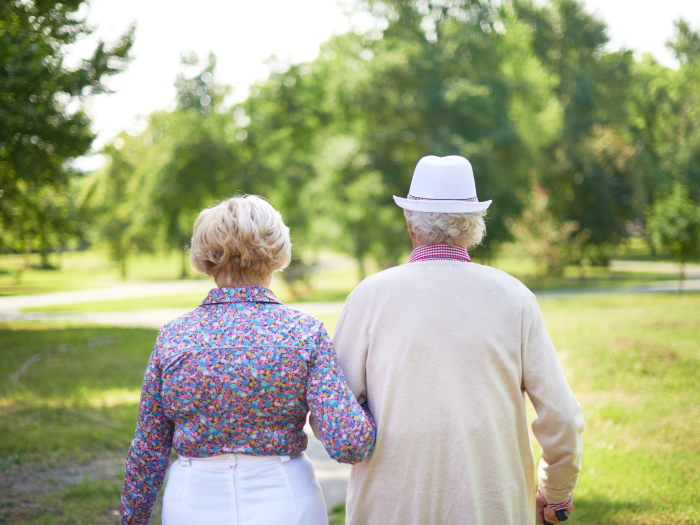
{"x":544,"y":512}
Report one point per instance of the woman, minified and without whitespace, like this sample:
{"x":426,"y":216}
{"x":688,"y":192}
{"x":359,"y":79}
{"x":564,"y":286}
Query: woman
{"x":229,"y":386}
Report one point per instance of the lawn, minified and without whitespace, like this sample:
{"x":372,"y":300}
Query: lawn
{"x":81,"y":270}
{"x":69,"y":395}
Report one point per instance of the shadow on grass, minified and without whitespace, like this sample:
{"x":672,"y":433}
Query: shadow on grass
{"x":90,"y":502}
{"x":599,"y":510}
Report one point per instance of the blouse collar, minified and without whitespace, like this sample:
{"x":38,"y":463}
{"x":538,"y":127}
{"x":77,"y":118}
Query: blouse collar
{"x":239,"y":294}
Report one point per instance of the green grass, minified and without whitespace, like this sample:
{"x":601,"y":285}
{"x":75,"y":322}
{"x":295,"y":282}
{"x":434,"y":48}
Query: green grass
{"x":82,"y":270}
{"x":634,"y":363}
{"x":142,"y":303}
{"x":632,"y":360}
{"x":336,"y":514}
{"x":90,"y":502}
{"x":69,"y":392}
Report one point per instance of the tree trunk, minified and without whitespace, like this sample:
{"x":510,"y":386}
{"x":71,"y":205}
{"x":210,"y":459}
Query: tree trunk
{"x":681,"y":277}
{"x":122,"y":268}
{"x":45,"y":259}
{"x":361,"y":266}
{"x":183,"y":275}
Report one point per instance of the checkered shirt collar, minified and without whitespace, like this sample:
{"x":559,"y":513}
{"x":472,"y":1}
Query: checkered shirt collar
{"x":439,"y":252}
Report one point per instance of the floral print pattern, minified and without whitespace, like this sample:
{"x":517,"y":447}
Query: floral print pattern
{"x":239,"y":375}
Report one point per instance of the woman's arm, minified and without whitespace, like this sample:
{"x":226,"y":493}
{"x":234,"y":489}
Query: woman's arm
{"x":149,"y":453}
{"x":347,"y":428}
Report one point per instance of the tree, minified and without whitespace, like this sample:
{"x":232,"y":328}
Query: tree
{"x":109,"y":202}
{"x":682,"y":141}
{"x":188,"y":160}
{"x":41,"y":131}
{"x":439,"y":79}
{"x":543,"y":238}
{"x":590,"y":167}
{"x":674,"y":224}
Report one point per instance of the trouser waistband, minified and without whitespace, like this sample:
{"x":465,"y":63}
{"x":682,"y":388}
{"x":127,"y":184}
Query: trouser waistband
{"x":231,"y":461}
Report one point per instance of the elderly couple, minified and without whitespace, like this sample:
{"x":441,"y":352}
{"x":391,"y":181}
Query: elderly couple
{"x":423,"y":388}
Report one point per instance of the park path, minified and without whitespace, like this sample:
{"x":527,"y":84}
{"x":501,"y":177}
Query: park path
{"x":135,"y":290}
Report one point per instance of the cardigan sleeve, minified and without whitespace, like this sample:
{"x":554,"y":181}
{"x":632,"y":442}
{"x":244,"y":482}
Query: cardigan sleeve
{"x":346,"y":428}
{"x":351,"y":346}
{"x":149,"y":454}
{"x":559,"y":423}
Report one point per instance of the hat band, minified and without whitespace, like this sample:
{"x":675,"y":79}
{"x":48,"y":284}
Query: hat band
{"x":411,"y":197}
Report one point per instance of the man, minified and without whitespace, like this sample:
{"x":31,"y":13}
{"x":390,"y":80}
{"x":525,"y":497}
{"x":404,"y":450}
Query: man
{"x":444,"y":351}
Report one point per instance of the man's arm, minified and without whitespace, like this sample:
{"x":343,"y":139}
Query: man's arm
{"x":351,"y":345}
{"x":559,"y":423}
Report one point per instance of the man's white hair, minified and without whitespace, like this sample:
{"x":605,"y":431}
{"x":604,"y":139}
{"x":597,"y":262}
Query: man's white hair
{"x":461,"y":229}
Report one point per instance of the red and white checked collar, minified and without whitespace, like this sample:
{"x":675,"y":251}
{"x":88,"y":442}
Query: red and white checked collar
{"x":439,"y":252}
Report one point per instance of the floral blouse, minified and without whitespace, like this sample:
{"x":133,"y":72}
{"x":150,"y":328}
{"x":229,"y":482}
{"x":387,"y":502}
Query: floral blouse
{"x":239,"y":374}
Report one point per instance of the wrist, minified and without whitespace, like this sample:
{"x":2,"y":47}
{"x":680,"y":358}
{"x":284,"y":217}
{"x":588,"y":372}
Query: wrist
{"x":555,"y":506}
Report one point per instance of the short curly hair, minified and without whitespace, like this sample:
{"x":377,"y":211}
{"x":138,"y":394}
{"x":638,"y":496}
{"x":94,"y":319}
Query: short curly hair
{"x":240,"y":241}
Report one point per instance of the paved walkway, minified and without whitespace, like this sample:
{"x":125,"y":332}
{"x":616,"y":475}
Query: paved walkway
{"x":135,"y":290}
{"x":691,"y":270}
{"x":154,"y":318}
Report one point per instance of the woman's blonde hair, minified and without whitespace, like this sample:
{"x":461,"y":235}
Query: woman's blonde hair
{"x":240,"y":241}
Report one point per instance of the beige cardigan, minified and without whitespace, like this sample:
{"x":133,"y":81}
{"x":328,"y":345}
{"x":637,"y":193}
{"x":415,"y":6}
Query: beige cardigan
{"x":444,"y":352}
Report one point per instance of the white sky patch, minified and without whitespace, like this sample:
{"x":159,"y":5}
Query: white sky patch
{"x":244,"y":34}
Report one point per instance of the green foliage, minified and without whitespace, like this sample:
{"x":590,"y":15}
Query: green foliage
{"x":674,"y":223}
{"x":664,"y":121}
{"x":513,"y":87}
{"x":41,"y":130}
{"x":550,"y":243}
{"x":589,"y":167}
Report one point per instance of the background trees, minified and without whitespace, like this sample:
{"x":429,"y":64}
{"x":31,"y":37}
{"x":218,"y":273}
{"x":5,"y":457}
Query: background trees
{"x":674,"y":224}
{"x":513,"y":86}
{"x":43,"y":125}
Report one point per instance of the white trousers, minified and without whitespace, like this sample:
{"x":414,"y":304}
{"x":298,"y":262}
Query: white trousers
{"x":237,"y":489}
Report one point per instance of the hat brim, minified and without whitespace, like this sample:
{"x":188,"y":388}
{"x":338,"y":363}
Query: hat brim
{"x":444,"y":206}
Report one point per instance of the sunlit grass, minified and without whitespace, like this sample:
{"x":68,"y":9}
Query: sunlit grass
{"x":189,"y":301}
{"x":71,"y":391}
{"x":634,"y":363}
{"x":81,"y":270}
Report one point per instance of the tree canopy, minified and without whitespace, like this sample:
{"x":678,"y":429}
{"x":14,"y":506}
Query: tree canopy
{"x":525,"y":91}
{"x":43,"y":124}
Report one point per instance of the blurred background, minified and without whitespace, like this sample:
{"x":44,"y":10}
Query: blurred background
{"x":121,"y":121}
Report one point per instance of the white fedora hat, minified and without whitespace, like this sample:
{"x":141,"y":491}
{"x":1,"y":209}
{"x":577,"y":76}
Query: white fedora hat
{"x":443,"y":185}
